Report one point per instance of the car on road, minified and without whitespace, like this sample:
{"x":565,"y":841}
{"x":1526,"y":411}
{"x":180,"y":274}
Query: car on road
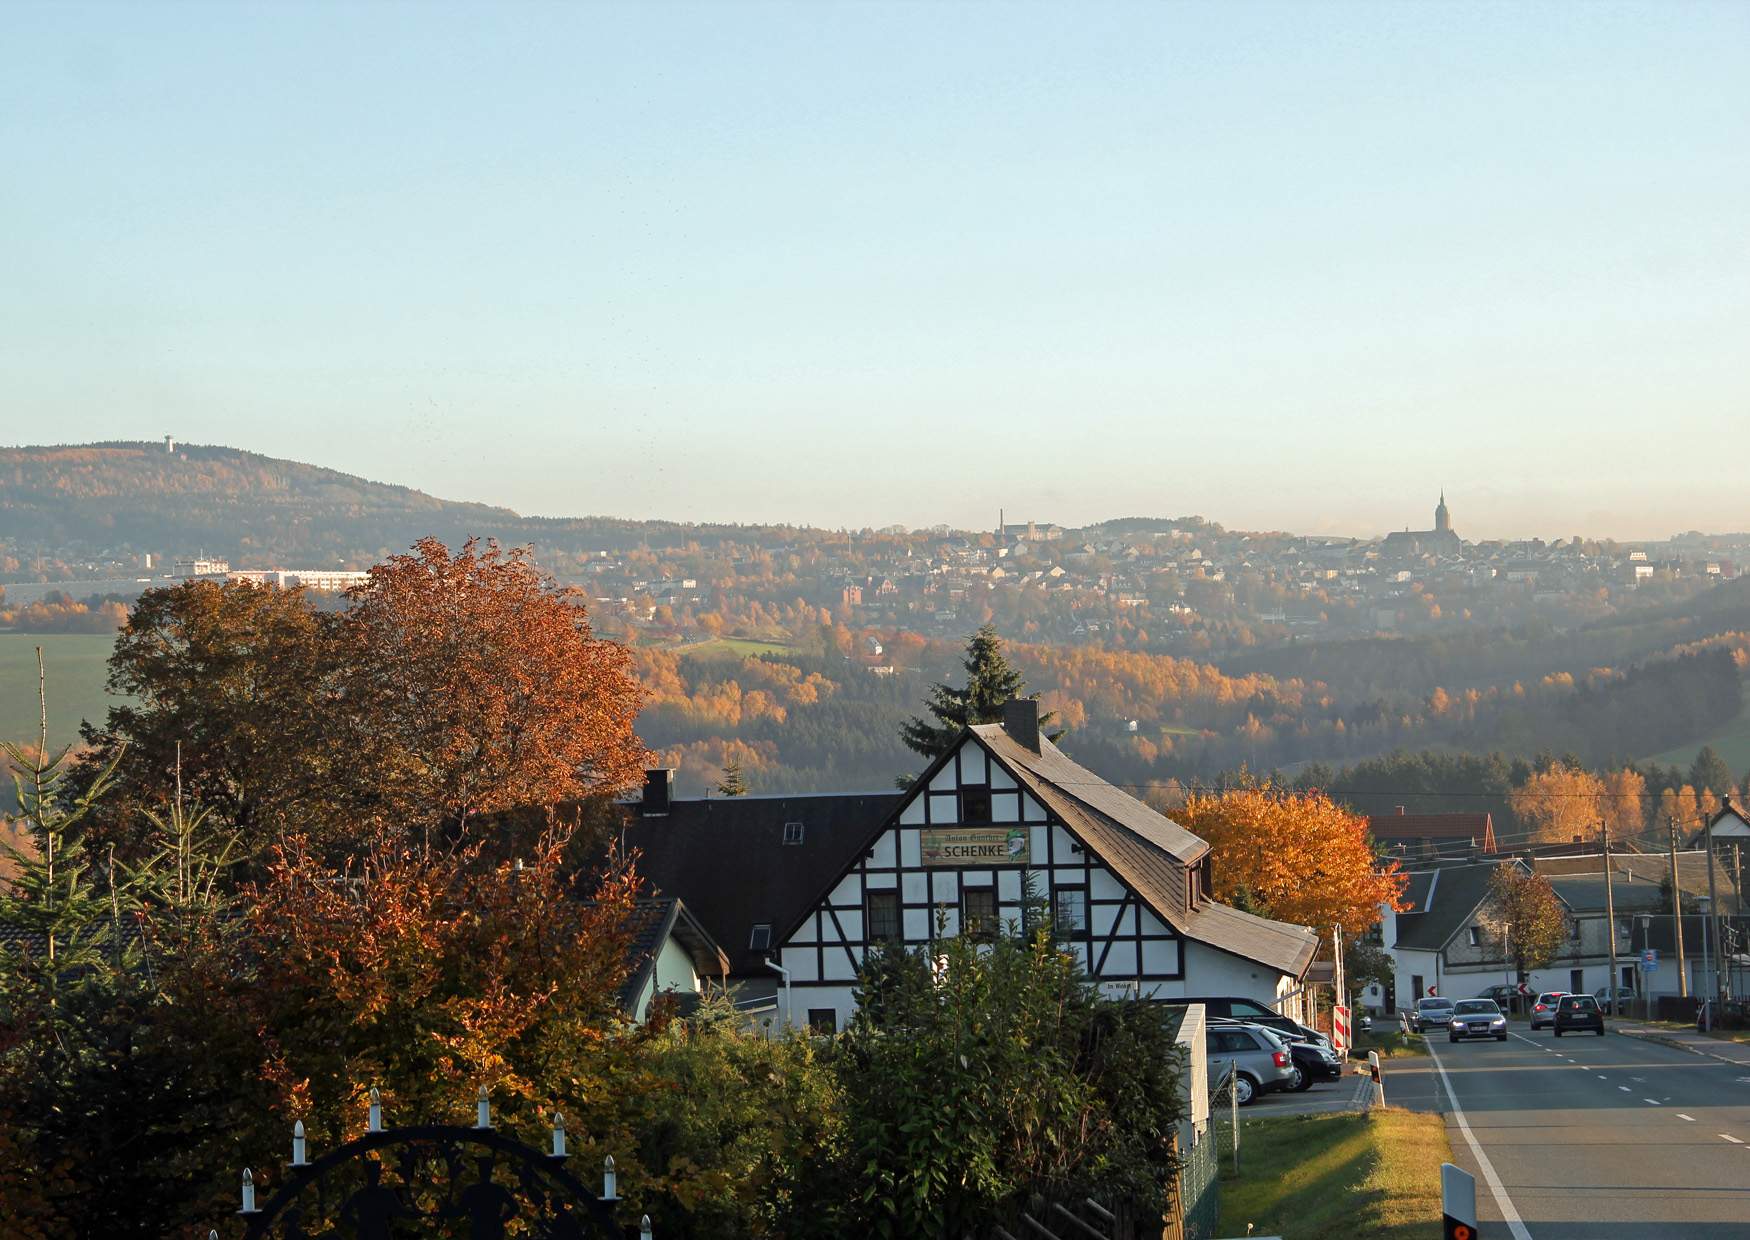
{"x":1260,"y":1060}
{"x":1477,"y":1018}
{"x":1577,"y":1012}
{"x":1543,"y":1009}
{"x":1430,"y":1012}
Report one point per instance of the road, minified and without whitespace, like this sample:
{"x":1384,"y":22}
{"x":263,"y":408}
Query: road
{"x":1589,"y":1138}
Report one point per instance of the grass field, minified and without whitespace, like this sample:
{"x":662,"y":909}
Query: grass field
{"x":734,"y":647}
{"x":1731,"y":742}
{"x":1321,"y":1177}
{"x":1391,"y":1043}
{"x":75,"y":667}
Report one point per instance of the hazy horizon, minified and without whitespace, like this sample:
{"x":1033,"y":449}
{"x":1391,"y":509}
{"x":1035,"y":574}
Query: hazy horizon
{"x":1286,"y":267}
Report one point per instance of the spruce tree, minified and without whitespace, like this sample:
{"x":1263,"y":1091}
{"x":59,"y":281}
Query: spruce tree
{"x":990,"y":681}
{"x":732,"y":784}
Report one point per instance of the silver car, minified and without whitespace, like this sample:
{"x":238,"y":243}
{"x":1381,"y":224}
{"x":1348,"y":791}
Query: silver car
{"x":1259,"y":1058}
{"x":1477,"y":1018}
{"x":1431,"y":1012}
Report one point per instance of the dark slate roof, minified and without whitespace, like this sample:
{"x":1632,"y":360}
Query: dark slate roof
{"x":727,"y":858}
{"x":1149,"y":852}
{"x":1415,"y":896}
{"x":1639,"y":873}
{"x":1585,"y":893}
{"x":1454,"y":894}
{"x":651,"y":923}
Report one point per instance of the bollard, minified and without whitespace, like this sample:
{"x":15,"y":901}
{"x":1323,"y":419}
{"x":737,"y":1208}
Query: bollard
{"x":1458,"y":1203}
{"x":1378,"y":1078}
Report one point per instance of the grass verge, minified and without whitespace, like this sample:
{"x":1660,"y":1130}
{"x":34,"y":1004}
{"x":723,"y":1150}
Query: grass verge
{"x":1390,"y":1043}
{"x":1688,"y":1026}
{"x":1321,"y":1177}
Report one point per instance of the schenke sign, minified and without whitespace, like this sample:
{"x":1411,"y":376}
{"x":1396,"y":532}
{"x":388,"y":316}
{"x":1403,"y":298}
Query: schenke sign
{"x":971,"y":846}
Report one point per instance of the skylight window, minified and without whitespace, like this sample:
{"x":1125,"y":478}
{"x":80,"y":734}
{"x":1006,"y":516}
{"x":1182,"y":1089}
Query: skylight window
{"x":761,"y":938}
{"x":792,"y":833}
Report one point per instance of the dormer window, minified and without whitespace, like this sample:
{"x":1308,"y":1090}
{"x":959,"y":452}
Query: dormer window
{"x":761,"y":937}
{"x":792,"y":833}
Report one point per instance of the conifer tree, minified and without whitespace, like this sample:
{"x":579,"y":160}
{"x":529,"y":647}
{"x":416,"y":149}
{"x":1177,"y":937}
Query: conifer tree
{"x":991,"y":680}
{"x":732,"y":784}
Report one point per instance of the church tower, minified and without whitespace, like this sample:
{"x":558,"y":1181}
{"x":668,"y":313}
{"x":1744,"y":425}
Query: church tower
{"x":1442,"y":518}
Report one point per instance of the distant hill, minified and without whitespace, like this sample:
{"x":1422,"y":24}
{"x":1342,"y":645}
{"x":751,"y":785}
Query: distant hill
{"x":241,"y":506}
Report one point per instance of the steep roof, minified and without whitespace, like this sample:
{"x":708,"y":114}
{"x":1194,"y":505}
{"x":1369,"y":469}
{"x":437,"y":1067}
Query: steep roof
{"x":1452,"y":897}
{"x":1148,"y":851}
{"x":651,"y":923}
{"x":1432,"y":835}
{"x":728,"y":858}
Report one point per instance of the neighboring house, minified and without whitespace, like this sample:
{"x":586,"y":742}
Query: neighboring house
{"x":670,"y":954}
{"x":1002,"y":820}
{"x":1432,"y":837}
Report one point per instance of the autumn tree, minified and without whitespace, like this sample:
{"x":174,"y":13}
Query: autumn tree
{"x":1524,"y":910}
{"x":1298,"y":856}
{"x":1559,"y":805}
{"x":1623,"y":802}
{"x":991,"y":680}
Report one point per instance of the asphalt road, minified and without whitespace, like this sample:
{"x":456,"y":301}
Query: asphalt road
{"x":1589,"y":1138}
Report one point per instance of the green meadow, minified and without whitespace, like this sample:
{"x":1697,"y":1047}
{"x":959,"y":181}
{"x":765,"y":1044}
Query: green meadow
{"x":74,"y":667}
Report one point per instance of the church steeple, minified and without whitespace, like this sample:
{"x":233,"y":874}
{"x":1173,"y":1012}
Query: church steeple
{"x":1442,"y":518}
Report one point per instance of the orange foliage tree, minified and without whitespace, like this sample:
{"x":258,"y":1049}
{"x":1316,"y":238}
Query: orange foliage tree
{"x":473,"y":684}
{"x":1297,"y":856}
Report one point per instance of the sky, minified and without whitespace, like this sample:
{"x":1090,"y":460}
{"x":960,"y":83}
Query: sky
{"x":1285,"y":266}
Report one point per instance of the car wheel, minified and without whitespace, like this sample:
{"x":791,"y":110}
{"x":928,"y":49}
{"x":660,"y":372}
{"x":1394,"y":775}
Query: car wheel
{"x":1557,"y":1032}
{"x":1303,"y":1080}
{"x":1452,"y":1037}
{"x":1244,"y":1090}
{"x":1601,"y":1031}
{"x":1500,"y":1037}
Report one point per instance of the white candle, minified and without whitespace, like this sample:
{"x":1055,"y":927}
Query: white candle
{"x":298,"y":1159}
{"x":483,"y":1111}
{"x":375,"y":1123}
{"x":558,"y":1134}
{"x":248,"y":1192}
{"x":608,"y":1179}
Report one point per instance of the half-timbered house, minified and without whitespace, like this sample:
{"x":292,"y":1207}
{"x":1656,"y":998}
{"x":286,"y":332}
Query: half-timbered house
{"x":1001,"y":829}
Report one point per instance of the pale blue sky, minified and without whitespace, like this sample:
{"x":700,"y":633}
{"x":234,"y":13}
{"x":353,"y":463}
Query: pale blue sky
{"x":1282,"y":265}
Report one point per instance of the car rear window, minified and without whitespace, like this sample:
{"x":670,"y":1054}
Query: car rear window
{"x":1582,"y":1002}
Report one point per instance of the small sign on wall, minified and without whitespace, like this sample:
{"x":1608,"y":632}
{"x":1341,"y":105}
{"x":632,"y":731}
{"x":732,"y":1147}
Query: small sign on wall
{"x":969,"y":846}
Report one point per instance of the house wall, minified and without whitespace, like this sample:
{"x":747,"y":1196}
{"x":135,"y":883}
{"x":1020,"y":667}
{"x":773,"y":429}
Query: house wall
{"x":1127,"y":949}
{"x":674,"y":971}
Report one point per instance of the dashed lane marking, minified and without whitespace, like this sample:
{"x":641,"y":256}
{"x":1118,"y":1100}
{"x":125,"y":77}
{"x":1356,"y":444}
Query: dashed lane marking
{"x":1726,"y":1136}
{"x":1652,"y":1102}
{"x":1503,"y":1202}
{"x":1625,"y":1089}
{"x":1690,"y":1118}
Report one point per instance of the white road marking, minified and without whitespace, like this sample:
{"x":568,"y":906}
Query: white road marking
{"x":1602,"y":1077}
{"x":1625,"y":1089}
{"x":1690,"y":1118}
{"x":1729,"y":1137}
{"x":1502,"y":1202}
{"x":1652,"y":1102}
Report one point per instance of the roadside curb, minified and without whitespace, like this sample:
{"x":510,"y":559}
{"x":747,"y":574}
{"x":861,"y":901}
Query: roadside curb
{"x":1647,"y":1035}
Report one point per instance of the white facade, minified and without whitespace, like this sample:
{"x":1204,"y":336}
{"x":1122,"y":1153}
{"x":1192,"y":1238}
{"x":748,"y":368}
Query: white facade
{"x":970,"y":843}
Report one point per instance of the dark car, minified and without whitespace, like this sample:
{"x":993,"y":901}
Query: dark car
{"x":1577,"y":1012}
{"x":1477,"y":1018}
{"x":1430,"y":1012}
{"x":1233,"y":1007}
{"x":1501,"y":993}
{"x":1543,"y":1009}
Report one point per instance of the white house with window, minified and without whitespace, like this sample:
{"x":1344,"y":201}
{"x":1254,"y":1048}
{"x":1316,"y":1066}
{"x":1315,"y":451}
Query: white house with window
{"x":1005,"y":814}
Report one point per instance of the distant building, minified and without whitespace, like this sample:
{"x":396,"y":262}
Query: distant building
{"x":1415,"y":837}
{"x":201,"y":567}
{"x":322,"y":580}
{"x":1410,"y":544}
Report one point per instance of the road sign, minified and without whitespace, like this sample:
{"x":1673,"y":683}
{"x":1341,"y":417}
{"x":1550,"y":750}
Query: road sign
{"x":1650,"y":960}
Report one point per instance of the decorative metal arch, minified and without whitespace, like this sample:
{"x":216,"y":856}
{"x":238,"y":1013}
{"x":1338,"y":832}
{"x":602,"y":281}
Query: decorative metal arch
{"x":437,"y":1195}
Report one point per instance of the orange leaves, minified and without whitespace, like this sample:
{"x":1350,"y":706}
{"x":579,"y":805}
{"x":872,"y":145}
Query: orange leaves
{"x":1299,"y":855}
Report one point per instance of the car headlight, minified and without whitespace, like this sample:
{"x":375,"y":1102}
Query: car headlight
{"x":1457,"y":1024}
{"x":1500,"y":1022}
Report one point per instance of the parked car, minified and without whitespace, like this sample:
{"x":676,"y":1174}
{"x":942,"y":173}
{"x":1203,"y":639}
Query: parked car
{"x":1364,"y":1022}
{"x":1313,"y":1057}
{"x":1430,"y":1012}
{"x":1577,"y":1012}
{"x":1233,"y":1007}
{"x":1477,"y":1018}
{"x":1501,"y":993}
{"x":1624,"y":996}
{"x":1260,"y":1060}
{"x":1543,"y":1011}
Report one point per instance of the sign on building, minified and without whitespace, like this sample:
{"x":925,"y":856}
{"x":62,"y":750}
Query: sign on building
{"x":973,"y":846}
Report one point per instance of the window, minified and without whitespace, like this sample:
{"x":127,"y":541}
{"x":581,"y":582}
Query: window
{"x":1476,"y":936}
{"x":883,"y":912}
{"x":792,"y":833}
{"x":1233,"y":1041}
{"x":823,"y":1020}
{"x":761,"y":937}
{"x":978,"y":911}
{"x":1069,"y":910}
{"x":1574,"y":930}
{"x":975,"y":805}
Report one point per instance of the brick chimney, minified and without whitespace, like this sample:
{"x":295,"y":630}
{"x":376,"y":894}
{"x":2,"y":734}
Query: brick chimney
{"x":1021,"y":722}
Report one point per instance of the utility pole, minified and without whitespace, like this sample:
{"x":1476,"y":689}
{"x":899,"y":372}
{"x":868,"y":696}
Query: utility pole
{"x":1677,"y":911}
{"x":1610,"y":915}
{"x":1713,"y":917}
